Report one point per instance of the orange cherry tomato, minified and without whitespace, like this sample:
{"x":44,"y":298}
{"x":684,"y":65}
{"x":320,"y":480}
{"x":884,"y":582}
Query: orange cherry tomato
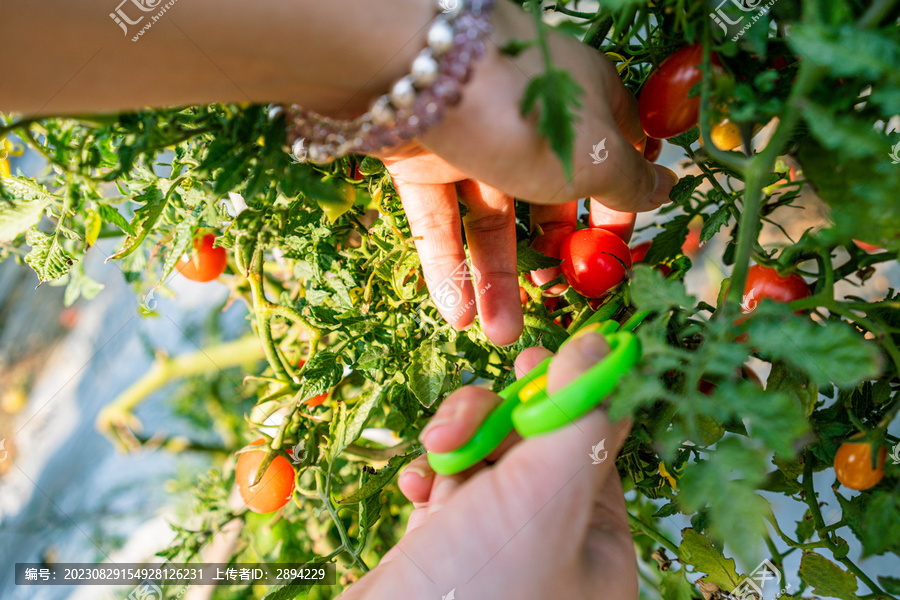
{"x":205,"y":263}
{"x":853,"y":465}
{"x":274,"y":489}
{"x":725,"y":135}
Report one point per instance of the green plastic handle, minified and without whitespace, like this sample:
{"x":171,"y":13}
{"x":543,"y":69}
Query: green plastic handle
{"x":543,"y":413}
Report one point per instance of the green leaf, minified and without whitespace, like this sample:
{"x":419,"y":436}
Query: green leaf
{"x":347,"y":424}
{"x":847,"y":50}
{"x":528,"y":259}
{"x":715,"y":222}
{"x":559,"y":95}
{"x":736,"y":512}
{"x":794,"y":384}
{"x":144,"y":219}
{"x":832,"y":352}
{"x":32,"y":200}
{"x":650,"y":290}
{"x":682,"y":192}
{"x":674,"y":586}
{"x":698,"y":551}
{"x":110,"y":215}
{"x":874,"y":518}
{"x":826,"y":578}
{"x":80,"y":285}
{"x":183,"y":237}
{"x":381,"y":477}
{"x":890,"y":584}
{"x":47,"y":257}
{"x":805,"y":527}
{"x":427,"y":371}
{"x":323,"y":372}
{"x":667,"y":244}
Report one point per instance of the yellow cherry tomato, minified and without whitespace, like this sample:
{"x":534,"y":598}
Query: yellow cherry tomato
{"x":538,"y":385}
{"x":725,"y":135}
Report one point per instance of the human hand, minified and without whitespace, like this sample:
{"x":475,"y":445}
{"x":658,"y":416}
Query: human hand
{"x":535,"y":520}
{"x":484,"y":153}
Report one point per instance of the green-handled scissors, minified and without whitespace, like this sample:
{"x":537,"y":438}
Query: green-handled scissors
{"x":527,"y":406}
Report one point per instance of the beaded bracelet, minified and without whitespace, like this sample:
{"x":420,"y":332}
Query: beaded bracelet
{"x":416,"y":102}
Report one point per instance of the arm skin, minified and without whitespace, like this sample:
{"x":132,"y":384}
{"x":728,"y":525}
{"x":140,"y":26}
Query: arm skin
{"x":332,"y":56}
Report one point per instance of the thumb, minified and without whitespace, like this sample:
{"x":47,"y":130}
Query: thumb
{"x":558,"y":466}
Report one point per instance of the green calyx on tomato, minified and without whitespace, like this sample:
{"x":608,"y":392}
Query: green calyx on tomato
{"x":274,"y":488}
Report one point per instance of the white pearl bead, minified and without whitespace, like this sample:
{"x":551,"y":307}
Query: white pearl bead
{"x":275,"y":111}
{"x":382,"y":113}
{"x":424,"y":70}
{"x":403,"y":94}
{"x":440,"y":37}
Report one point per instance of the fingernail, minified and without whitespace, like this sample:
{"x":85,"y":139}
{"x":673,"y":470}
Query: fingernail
{"x":418,"y":471}
{"x":592,"y":346}
{"x":665,"y":181}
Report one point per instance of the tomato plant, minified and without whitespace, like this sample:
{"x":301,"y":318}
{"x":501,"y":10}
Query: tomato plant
{"x":205,"y":263}
{"x":704,"y":475}
{"x":853,"y":465}
{"x":593,"y":261}
{"x":273,"y":489}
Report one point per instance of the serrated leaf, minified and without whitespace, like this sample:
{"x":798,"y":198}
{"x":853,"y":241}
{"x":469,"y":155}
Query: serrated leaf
{"x":794,"y":384}
{"x":674,"y":586}
{"x":650,"y":290}
{"x":377,"y":480}
{"x":832,"y":352}
{"x":698,"y":551}
{"x":47,"y":257}
{"x":874,"y":518}
{"x":558,"y":95}
{"x":528,"y":259}
{"x":323,"y":372}
{"x":683,"y":190}
{"x":667,"y":244}
{"x":826,"y":578}
{"x":32,"y":200}
{"x":144,"y":219}
{"x":183,"y":237}
{"x":715,"y":222}
{"x":847,"y":50}
{"x":427,"y":371}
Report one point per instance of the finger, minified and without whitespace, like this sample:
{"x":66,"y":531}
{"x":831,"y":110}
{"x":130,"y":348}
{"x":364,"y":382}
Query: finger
{"x":556,"y":222}
{"x":614,"y":221}
{"x":529,"y":359}
{"x":433,"y":214}
{"x":416,"y":479}
{"x":490,"y":224}
{"x":445,"y":486}
{"x":457,"y":419}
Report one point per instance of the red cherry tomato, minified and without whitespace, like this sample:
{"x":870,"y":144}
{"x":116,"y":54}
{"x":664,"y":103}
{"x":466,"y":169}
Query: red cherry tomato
{"x":763,"y":282}
{"x":853,"y":465}
{"x":205,"y":263}
{"x":549,"y":244}
{"x":316,"y":400}
{"x":593,"y":261}
{"x":274,"y":489}
{"x":652,"y":149}
{"x":691,"y":245}
{"x":664,"y":107}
